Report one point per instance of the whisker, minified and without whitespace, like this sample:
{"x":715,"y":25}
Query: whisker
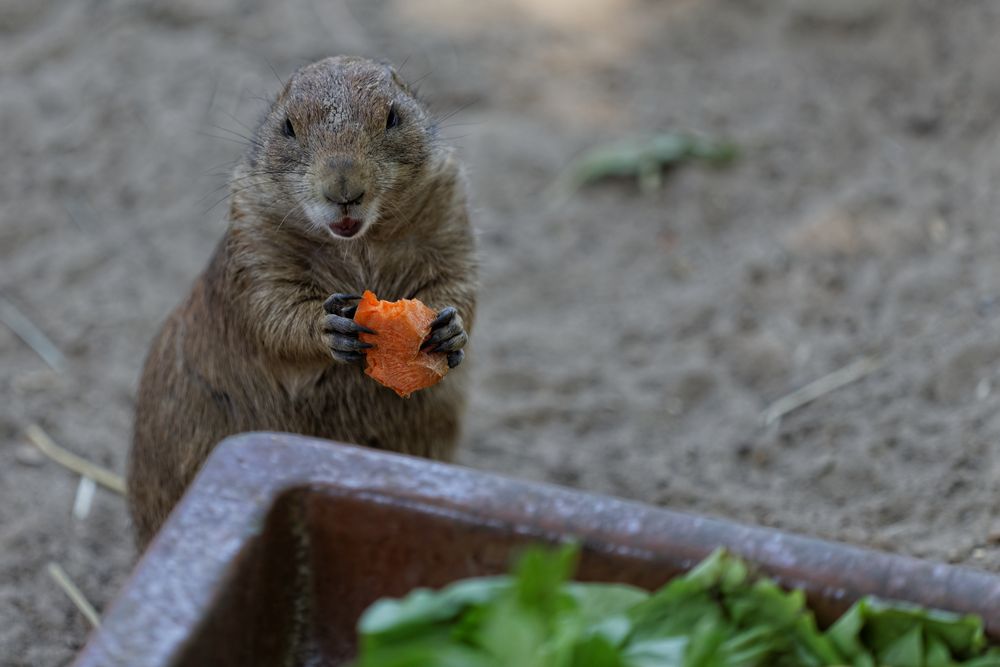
{"x":466,"y":124}
{"x":215,"y":136}
{"x":456,"y":111}
{"x":228,"y":195}
{"x":274,"y":72}
{"x":240,"y":179}
{"x":252,"y":141}
{"x":229,"y":164}
{"x":416,"y":82}
{"x":300,"y":205}
{"x":238,"y":121}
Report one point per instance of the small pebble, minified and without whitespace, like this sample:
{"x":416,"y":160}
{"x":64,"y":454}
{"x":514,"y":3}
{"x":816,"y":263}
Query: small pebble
{"x":27,"y":455}
{"x":674,"y":406}
{"x":34,"y":382}
{"x":938,"y":230}
{"x":983,"y":389}
{"x":993,"y":535}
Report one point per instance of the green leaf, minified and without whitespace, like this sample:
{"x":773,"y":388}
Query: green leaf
{"x":391,"y":620}
{"x":845,"y":633}
{"x":514,"y":638}
{"x":706,"y":645}
{"x":597,"y":601}
{"x":937,"y":653}
{"x":614,"y":629}
{"x":539,"y":577}
{"x":595,"y":651}
{"x":991,"y":659}
{"x":905,"y":651}
{"x":668,"y":652}
{"x":427,"y":653}
{"x":812,"y":648}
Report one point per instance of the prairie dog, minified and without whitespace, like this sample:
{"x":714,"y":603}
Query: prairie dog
{"x":344,"y":187}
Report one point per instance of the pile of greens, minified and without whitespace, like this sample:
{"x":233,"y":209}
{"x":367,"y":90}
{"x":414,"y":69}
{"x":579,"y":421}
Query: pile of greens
{"x":718,"y":615}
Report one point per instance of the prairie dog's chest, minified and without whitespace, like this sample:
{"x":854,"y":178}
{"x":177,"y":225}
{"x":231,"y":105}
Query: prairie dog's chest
{"x":314,"y":386}
{"x":391,"y":270}
{"x":298,"y":383}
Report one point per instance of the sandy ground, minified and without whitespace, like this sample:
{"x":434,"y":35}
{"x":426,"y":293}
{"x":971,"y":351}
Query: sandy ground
{"x":626,"y":343}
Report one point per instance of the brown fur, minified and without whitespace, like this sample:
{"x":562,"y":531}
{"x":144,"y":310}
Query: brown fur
{"x":246,"y":349}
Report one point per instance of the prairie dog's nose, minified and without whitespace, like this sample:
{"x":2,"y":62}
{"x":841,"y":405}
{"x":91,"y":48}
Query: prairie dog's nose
{"x":343,"y":197}
{"x":344,"y":184}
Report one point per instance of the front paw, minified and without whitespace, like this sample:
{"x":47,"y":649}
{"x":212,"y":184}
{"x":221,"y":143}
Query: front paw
{"x":448,"y":336}
{"x":340,"y":331}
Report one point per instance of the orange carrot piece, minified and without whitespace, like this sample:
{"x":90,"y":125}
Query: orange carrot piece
{"x":400,"y":327}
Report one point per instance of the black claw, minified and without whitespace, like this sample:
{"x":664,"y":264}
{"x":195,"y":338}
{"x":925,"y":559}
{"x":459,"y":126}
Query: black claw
{"x":348,"y":357}
{"x":455,"y":358}
{"x":337,"y":302}
{"x":441,"y":340}
{"x":443,"y":318}
{"x":345,"y":325}
{"x":351,"y":312}
{"x":429,"y":344}
{"x":453,"y":343}
{"x":348,"y":344}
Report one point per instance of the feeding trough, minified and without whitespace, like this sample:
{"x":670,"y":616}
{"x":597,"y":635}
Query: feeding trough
{"x":283,"y":541}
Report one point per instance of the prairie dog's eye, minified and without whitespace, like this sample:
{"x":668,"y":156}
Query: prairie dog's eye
{"x":392,"y":118}
{"x":287,"y":128}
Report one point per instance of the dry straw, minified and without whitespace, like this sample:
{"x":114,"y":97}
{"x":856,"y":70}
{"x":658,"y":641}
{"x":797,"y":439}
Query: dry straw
{"x":71,"y":461}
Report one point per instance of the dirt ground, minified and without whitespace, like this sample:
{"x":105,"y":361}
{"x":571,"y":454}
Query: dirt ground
{"x":626,"y":343}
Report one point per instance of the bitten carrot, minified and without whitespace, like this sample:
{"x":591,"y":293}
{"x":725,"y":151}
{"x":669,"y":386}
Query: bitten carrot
{"x":400,"y":327}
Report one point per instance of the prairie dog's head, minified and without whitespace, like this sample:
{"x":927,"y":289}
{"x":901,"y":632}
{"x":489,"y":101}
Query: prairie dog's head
{"x":341,"y":146}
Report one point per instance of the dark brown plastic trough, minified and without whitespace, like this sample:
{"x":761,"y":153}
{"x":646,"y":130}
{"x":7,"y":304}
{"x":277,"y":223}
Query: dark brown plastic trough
{"x":283,"y":541}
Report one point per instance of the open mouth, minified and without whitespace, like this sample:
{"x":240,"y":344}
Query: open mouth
{"x":346,"y":227}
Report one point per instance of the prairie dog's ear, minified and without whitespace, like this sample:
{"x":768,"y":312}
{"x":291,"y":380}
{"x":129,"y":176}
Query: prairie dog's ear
{"x":396,"y":78}
{"x":285,"y":89}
